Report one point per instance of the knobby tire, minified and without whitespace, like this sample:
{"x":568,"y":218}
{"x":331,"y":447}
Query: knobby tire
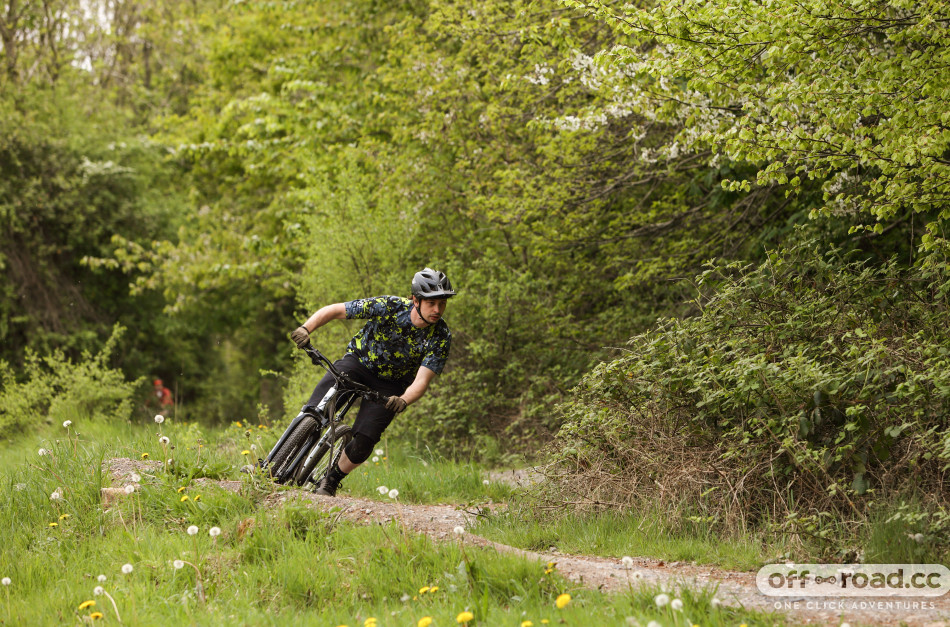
{"x":343,"y":435}
{"x":286,"y":453}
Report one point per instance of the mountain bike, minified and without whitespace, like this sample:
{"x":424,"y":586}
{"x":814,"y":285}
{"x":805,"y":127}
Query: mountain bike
{"x":301,"y":453}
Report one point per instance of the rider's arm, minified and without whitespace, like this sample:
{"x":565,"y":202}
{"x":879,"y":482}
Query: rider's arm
{"x":324,"y":315}
{"x":415,"y":391}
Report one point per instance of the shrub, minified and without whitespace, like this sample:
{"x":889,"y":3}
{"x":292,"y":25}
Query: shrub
{"x":54,"y":388}
{"x":804,"y":390}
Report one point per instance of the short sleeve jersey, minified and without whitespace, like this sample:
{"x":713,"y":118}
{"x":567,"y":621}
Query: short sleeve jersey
{"x":390,"y":345}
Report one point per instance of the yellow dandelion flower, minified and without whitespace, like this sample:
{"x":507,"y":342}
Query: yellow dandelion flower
{"x":415,"y":598}
{"x":545,"y":621}
{"x":86,"y":604}
{"x":95,"y":615}
{"x":527,"y":623}
{"x":238,"y":423}
{"x":245,"y":452}
{"x":423,"y":589}
{"x":464,"y":617}
{"x":743,"y":625}
{"x":261,"y":427}
{"x":52,"y":524}
{"x":184,"y":498}
{"x":548,"y":571}
{"x":433,"y":589}
{"x":64,"y":516}
{"x":144,"y":455}
{"x":562,"y":600}
{"x":370,"y":622}
{"x":181,"y":489}
{"x":197,"y":497}
{"x":425,"y":621}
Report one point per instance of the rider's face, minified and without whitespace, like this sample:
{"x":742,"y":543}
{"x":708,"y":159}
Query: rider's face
{"x":431,"y":309}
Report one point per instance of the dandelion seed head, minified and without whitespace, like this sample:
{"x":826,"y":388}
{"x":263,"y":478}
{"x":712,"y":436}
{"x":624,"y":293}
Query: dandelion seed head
{"x":67,"y":424}
{"x":375,"y":458}
{"x":379,"y":451}
{"x":653,"y":623}
{"x":163,"y":440}
{"x":6,"y":581}
{"x":661,"y":600}
{"x":393,"y":493}
{"x":42,"y":452}
{"x":676,"y":604}
{"x":637,"y":575}
{"x":193,"y":530}
{"x":129,"y":489}
{"x":101,"y":578}
{"x":458,"y":530}
{"x":214,"y":531}
{"x":135,"y":477}
{"x":486,"y":482}
{"x":627,"y":561}
{"x":126,"y":569}
{"x":160,"y":419}
{"x":716,"y":602}
{"x":56,"y":495}
{"x":382,"y":489}
{"x":178,"y":564}
{"x":98,"y":590}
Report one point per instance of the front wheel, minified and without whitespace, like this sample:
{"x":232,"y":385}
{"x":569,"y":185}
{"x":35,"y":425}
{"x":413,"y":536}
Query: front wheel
{"x":286,"y":454}
{"x":317,"y":460}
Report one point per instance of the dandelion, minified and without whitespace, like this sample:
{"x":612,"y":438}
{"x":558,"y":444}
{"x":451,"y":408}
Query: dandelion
{"x":135,"y":477}
{"x":98,"y":590}
{"x":67,"y":424}
{"x":184,"y":498}
{"x":715,"y":602}
{"x":193,"y":530}
{"x":677,"y":605}
{"x":64,"y":516}
{"x":245,"y":452}
{"x":42,"y":452}
{"x":562,"y":600}
{"x":527,"y":623}
{"x":95,"y":615}
{"x":627,"y":561}
{"x":423,"y":589}
{"x":126,"y":569}
{"x":393,"y":493}
{"x":379,"y":451}
{"x":653,"y":623}
{"x":101,"y":578}
{"x":425,"y":621}
{"x":433,"y":589}
{"x":845,"y":625}
{"x":6,"y":581}
{"x":382,"y":489}
{"x":86,"y":604}
{"x":56,"y":495}
{"x":369,"y":622}
{"x":178,"y":564}
{"x":159,"y":419}
{"x":129,"y":489}
{"x":375,"y":458}
{"x":459,"y":530}
{"x":52,"y":524}
{"x":637,"y":575}
{"x":661,"y":600}
{"x":181,"y":489}
{"x":214,"y":531}
{"x":163,"y":440}
{"x":144,"y":455}
{"x":253,"y":447}
{"x":238,"y":423}
{"x":197,"y":498}
{"x":464,"y":617}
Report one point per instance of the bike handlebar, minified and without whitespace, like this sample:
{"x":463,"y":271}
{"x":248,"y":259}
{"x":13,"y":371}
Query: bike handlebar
{"x":319,"y":359}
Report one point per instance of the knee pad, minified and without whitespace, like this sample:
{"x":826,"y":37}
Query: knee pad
{"x":360,"y":448}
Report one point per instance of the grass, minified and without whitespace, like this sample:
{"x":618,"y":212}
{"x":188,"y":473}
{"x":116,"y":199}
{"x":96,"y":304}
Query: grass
{"x":288,"y":566}
{"x":614,"y":534}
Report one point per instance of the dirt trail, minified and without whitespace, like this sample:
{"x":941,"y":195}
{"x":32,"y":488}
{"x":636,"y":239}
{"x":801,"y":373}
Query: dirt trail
{"x":607,"y":574}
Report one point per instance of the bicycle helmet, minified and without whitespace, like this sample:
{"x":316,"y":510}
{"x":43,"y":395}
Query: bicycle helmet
{"x":429,"y":283}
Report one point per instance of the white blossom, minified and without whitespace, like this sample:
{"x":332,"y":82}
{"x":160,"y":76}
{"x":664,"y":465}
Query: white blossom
{"x":382,"y":489}
{"x":676,"y":605}
{"x":178,"y":564}
{"x":379,"y":451}
{"x":192,"y":530}
{"x":393,"y":493}
{"x":67,"y":424}
{"x":127,"y":568}
{"x":627,"y":561}
{"x":129,"y":489}
{"x":101,"y":578}
{"x":661,"y":600}
{"x":135,"y":477}
{"x":159,"y":418}
{"x":163,"y":439}
{"x":375,"y":458}
{"x":459,"y":530}
{"x":42,"y":452}
{"x":214,"y":531}
{"x":98,"y":590}
{"x":57,"y":495}
{"x":6,"y":581}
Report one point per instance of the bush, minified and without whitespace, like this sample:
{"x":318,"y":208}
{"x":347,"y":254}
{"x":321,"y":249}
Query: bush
{"x":806,"y":389}
{"x":56,"y":389}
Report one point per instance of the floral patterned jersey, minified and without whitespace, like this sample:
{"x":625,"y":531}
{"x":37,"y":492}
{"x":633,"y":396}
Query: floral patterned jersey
{"x":389,"y":345}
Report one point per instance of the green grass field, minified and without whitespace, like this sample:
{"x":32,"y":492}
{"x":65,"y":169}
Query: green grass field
{"x":285,"y":565}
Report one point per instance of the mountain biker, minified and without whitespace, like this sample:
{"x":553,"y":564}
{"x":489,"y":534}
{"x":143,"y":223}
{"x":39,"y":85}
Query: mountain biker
{"x":400,"y":349}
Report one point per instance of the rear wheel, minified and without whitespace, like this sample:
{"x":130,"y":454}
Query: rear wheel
{"x":286,"y":453}
{"x":319,"y":460}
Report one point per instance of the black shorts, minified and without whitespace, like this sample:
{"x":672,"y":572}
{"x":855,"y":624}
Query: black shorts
{"x":372,"y":418}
